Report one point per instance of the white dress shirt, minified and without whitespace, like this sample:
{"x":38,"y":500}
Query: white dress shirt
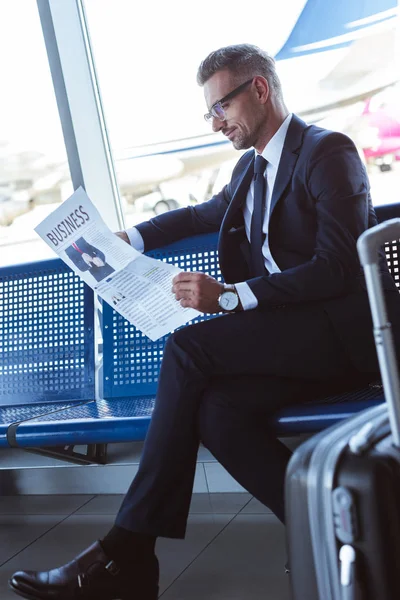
{"x":272,"y":153}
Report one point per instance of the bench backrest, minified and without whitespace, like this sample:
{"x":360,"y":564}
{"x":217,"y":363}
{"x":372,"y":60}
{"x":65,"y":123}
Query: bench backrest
{"x":131,"y":360}
{"x":46,"y":334}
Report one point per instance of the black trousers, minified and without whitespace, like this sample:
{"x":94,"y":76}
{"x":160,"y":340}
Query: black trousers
{"x":219,"y":383}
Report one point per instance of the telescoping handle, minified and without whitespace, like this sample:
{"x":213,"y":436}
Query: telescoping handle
{"x":368,"y":246}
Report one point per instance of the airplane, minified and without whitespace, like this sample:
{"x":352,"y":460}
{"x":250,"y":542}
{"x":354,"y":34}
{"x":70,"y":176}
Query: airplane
{"x":337,"y":54}
{"x":155,"y":164}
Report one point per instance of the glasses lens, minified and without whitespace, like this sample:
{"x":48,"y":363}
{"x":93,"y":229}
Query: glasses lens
{"x":218,"y":112}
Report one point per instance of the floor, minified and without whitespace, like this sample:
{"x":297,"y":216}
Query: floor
{"x":234,"y":548}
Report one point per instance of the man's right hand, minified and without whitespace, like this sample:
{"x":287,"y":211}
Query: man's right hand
{"x":123,"y":235}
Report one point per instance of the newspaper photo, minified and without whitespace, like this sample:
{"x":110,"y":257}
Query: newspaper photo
{"x":137,"y":286}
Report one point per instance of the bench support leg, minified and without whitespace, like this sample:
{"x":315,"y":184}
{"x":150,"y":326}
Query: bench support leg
{"x":95,"y":453}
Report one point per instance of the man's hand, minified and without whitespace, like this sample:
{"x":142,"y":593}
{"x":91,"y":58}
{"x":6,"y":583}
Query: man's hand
{"x":123,"y":235}
{"x":87,"y":258}
{"x":98,"y":262}
{"x":197,"y":290}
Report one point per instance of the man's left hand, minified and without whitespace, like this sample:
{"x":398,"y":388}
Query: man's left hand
{"x":197,"y":290}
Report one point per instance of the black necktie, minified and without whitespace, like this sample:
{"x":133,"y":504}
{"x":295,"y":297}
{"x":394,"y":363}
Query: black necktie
{"x":256,"y":232}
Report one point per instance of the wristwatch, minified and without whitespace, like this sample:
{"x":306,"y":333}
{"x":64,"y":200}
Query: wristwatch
{"x":229,"y":299}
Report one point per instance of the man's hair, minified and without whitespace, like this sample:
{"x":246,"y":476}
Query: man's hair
{"x":243,"y":61}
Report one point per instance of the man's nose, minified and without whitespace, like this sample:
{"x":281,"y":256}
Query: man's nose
{"x":217,"y":124}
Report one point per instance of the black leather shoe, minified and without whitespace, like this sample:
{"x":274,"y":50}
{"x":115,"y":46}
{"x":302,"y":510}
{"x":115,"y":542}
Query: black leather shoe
{"x":90,"y":576}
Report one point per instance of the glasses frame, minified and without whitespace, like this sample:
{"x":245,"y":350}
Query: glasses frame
{"x":212,"y":114}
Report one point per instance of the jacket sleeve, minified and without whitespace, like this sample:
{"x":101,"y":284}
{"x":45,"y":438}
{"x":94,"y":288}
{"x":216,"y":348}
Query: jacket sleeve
{"x":76,"y":258}
{"x":184,"y":222}
{"x":337,"y":182}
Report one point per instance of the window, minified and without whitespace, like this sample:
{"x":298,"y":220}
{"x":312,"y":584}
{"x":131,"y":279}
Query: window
{"x":147,"y":55}
{"x":34,"y":174}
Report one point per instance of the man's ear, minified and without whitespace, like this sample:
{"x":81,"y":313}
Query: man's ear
{"x":262,"y":88}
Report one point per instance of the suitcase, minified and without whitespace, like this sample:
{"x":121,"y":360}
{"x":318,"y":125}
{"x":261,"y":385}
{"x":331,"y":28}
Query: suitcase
{"x":343,"y":485}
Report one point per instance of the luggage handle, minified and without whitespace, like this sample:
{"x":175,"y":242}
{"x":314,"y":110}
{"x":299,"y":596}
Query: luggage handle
{"x":368,"y":246}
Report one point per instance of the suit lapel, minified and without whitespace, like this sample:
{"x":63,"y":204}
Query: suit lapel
{"x":289,"y":156}
{"x":239,"y":195}
{"x":293,"y":142}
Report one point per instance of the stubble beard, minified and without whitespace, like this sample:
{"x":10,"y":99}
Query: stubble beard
{"x":241,"y":142}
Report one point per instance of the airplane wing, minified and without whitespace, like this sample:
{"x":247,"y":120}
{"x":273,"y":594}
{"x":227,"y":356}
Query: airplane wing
{"x":140,"y":169}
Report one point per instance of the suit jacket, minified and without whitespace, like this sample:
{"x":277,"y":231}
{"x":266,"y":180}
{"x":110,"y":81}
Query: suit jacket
{"x":76,"y":255}
{"x":99,"y":273}
{"x":320,"y":205}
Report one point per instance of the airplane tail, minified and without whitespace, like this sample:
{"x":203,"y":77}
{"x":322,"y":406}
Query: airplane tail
{"x":348,"y":48}
{"x":324,"y":26}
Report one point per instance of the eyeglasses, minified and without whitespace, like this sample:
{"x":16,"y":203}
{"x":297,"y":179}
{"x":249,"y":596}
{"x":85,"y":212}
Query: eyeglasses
{"x":217,"y":110}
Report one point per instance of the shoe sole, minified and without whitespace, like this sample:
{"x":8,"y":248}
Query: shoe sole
{"x":30,"y":597}
{"x":21,"y":593}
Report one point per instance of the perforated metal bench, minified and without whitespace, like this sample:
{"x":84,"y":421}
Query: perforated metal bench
{"x":46,"y":343}
{"x":47,"y":391}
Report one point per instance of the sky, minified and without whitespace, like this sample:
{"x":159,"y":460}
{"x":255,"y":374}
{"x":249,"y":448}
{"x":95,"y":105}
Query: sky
{"x":146,"y":56}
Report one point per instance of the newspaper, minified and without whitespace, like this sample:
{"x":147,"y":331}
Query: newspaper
{"x":136,"y":286}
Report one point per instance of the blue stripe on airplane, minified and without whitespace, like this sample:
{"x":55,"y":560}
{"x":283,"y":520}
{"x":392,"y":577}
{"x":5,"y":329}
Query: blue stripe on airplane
{"x":326,"y":25}
{"x":180,"y":150}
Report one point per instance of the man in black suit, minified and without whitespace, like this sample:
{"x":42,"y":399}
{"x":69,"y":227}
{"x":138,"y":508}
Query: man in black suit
{"x":297,"y":324}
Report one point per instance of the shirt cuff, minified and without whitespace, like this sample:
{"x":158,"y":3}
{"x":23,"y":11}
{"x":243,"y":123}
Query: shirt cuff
{"x":135,"y":239}
{"x":247,"y":298}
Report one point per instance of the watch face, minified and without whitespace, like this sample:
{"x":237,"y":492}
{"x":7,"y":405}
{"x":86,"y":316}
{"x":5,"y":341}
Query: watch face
{"x":228,"y":301}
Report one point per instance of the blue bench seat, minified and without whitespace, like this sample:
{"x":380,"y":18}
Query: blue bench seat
{"x":46,"y":343}
{"x":127,"y":419}
{"x":11,"y":416}
{"x":95,"y":422}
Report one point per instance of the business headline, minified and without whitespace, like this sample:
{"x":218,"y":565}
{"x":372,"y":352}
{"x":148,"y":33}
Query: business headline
{"x":68,"y":226}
